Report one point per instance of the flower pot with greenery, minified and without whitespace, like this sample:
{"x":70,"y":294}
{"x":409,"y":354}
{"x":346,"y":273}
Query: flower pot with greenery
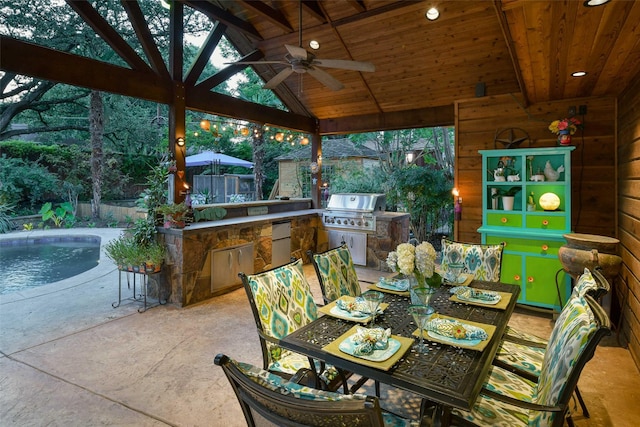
{"x":507,"y":195}
{"x":174,"y":214}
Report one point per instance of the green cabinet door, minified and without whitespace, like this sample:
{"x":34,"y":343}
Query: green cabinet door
{"x":540,"y":282}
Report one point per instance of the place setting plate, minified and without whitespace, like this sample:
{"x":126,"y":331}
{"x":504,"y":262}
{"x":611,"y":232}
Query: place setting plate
{"x":500,"y":303}
{"x":392,"y":285}
{"x":379,"y":359}
{"x":333,"y":310}
{"x":472,"y":344}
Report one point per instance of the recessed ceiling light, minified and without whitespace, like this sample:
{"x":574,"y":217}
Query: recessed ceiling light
{"x":594,"y":3}
{"x":313,"y":44}
{"x":432,"y":14}
{"x":579,"y":73}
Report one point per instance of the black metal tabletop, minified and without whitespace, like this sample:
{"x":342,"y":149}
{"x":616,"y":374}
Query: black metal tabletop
{"x":446,"y":374}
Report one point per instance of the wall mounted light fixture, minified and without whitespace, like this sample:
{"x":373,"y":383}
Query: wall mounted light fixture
{"x":180,"y":141}
{"x":457,"y":208}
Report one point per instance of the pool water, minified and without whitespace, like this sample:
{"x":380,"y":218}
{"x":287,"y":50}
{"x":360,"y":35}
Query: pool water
{"x":28,"y":263}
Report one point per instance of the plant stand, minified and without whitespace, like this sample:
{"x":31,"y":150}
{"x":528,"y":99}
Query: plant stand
{"x":142,"y":297}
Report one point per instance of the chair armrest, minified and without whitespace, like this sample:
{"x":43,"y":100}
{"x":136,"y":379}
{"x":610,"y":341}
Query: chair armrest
{"x":520,"y":403}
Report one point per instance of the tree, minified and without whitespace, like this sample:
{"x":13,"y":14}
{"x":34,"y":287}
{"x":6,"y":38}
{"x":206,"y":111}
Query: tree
{"x":96,"y":125}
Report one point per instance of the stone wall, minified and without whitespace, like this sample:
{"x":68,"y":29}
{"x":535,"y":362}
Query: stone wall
{"x":188,"y":249}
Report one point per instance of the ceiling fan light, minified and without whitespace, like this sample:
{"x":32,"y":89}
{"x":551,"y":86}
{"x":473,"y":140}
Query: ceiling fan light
{"x":432,"y":14}
{"x":314,"y":44}
{"x":594,"y":3}
{"x":579,"y":74}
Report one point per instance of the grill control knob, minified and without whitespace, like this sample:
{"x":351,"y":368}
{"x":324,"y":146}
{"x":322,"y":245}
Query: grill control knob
{"x":338,"y":221}
{"x":359,"y":223}
{"x":366,"y":223}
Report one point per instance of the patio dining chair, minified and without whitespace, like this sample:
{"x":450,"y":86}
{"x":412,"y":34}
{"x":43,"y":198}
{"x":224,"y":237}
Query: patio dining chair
{"x":511,"y":400}
{"x":336,"y":273}
{"x":281,"y":302}
{"x":483,"y":261}
{"x":263,"y":395}
{"x":523,"y":353}
{"x":337,"y":277}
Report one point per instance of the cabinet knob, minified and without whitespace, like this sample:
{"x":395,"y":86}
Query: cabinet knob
{"x":545,"y":222}
{"x":530,"y":279}
{"x":516,"y":277}
{"x":545,"y":247}
{"x":503,"y":220}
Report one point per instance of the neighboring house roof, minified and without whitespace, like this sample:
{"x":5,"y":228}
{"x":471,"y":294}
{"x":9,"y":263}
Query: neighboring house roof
{"x":331,"y":149}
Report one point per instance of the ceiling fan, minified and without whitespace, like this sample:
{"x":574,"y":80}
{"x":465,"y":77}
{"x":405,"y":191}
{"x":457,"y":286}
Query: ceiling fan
{"x":300,"y":61}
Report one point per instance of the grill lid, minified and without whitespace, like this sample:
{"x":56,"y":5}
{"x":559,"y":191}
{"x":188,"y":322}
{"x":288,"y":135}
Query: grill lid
{"x":357,"y":202}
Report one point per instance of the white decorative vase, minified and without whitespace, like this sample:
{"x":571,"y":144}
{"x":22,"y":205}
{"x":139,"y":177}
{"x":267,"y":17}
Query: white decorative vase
{"x":507,"y":202}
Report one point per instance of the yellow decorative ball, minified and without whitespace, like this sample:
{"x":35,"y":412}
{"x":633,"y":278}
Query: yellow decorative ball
{"x":549,"y":201}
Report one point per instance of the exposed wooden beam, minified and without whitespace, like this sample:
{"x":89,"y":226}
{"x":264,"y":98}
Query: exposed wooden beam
{"x":424,"y":117}
{"x":357,"y":5}
{"x":229,"y":71}
{"x":227,"y":106}
{"x":108,"y":34}
{"x":205,"y":54}
{"x":145,"y":37}
{"x":272,"y":15}
{"x":504,"y":26}
{"x":314,"y":9}
{"x":49,"y":64}
{"x":374,"y":12}
{"x":217,"y":14}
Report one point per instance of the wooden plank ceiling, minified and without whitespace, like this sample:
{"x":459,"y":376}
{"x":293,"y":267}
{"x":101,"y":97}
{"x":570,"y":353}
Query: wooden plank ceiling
{"x":422,"y":66}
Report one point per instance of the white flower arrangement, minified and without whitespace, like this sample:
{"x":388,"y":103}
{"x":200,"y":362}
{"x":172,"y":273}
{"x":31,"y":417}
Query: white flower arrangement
{"x":419,"y":261}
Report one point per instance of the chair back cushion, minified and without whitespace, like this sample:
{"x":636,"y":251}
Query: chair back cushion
{"x":483,"y":261}
{"x":337,"y":273}
{"x":574,"y":328}
{"x":585,"y":284}
{"x":283,"y":301}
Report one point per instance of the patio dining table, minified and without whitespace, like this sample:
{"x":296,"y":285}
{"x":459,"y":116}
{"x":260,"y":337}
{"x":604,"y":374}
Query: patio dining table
{"x":448,"y":375}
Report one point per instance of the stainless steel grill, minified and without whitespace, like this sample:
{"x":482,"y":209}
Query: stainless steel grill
{"x":354,"y":211}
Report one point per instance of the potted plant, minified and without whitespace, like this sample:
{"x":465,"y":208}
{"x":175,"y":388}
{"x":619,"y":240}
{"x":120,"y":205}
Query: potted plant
{"x":507,"y":195}
{"x":137,"y":249}
{"x":173,"y":214}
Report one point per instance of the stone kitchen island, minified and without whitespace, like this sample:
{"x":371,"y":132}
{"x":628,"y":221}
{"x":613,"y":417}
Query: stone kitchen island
{"x":203,"y":259}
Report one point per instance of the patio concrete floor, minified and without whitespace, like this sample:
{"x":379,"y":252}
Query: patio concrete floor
{"x":67,"y":358}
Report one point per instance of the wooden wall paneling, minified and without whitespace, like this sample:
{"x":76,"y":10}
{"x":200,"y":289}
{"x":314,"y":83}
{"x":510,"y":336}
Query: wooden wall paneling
{"x":628,"y":168}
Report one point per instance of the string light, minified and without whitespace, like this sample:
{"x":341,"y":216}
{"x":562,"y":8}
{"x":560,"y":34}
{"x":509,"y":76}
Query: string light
{"x":215,"y":127}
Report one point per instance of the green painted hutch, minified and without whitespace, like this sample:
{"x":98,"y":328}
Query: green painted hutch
{"x":531,"y":234}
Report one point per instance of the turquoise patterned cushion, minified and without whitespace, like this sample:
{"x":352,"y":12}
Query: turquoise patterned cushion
{"x":579,"y":324}
{"x":520,"y":356}
{"x":280,"y":385}
{"x":585,"y":284}
{"x":483,"y":261}
{"x":285,"y":303}
{"x":337,"y":273}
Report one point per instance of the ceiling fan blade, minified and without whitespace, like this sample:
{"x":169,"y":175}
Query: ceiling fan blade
{"x":257,"y":62}
{"x":296,"y":52}
{"x":278,"y":78}
{"x":325,"y":78}
{"x":344,"y":65}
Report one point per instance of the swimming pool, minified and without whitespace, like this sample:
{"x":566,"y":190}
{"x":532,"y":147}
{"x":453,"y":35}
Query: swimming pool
{"x":30,"y":262}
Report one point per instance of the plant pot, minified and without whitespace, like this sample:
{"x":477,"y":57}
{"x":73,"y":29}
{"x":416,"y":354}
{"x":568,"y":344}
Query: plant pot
{"x":564,"y":138}
{"x":507,"y":202}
